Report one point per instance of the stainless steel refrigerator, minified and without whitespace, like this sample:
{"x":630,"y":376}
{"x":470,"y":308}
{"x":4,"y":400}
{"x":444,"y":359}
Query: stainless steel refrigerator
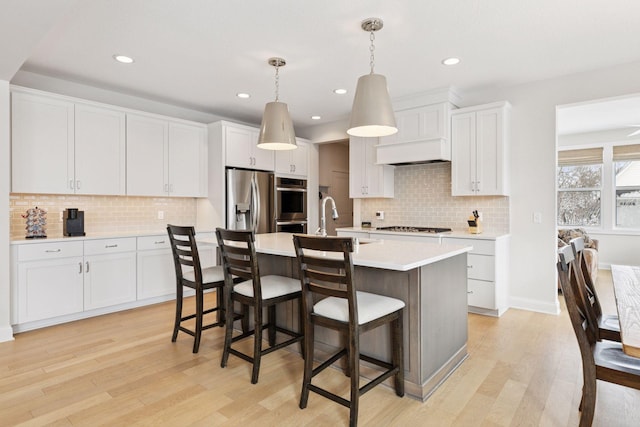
{"x":249,"y":200}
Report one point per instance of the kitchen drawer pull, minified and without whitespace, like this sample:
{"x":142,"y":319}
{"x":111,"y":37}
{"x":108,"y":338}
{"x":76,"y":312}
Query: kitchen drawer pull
{"x":469,"y":292}
{"x":158,"y":242}
{"x":111,"y":246}
{"x":53,"y":250}
{"x":469,"y":266}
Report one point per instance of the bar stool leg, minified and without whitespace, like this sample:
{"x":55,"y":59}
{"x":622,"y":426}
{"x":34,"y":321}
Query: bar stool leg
{"x":308,"y":363}
{"x":271,"y":313}
{"x":354,"y":370}
{"x":228,"y":332}
{"x":257,"y":343}
{"x":176,"y":324}
{"x":199,"y":315}
{"x":398,"y":353}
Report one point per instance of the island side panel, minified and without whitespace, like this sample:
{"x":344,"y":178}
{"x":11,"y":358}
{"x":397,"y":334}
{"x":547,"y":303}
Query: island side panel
{"x":443,"y":321}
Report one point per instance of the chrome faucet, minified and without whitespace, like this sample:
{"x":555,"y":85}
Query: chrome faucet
{"x":322,"y":231}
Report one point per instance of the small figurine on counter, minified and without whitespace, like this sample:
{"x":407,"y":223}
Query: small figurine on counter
{"x":36,"y":223}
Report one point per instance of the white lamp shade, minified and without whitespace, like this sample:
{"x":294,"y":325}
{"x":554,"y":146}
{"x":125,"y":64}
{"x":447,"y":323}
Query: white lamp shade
{"x":372,"y":112}
{"x":276,"y":130}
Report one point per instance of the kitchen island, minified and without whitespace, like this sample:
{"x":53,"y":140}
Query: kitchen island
{"x":432,"y":281}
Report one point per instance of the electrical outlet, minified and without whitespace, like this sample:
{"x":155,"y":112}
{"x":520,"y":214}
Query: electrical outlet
{"x":160,"y":214}
{"x":537,"y":218}
{"x":380,"y":215}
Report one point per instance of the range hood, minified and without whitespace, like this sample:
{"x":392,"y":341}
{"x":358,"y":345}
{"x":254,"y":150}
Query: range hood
{"x":414,"y":152}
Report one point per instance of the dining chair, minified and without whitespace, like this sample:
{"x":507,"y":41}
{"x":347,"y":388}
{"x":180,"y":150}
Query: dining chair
{"x":330,"y":300}
{"x":190,"y":274}
{"x":608,"y":325}
{"x":240,"y":262}
{"x":601,"y":360}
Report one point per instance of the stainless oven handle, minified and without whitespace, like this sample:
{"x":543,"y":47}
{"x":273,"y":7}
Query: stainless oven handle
{"x":290,"y":222}
{"x":299,"y":190}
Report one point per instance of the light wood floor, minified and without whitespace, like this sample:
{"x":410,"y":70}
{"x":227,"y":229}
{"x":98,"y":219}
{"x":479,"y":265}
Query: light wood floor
{"x":122,"y":369}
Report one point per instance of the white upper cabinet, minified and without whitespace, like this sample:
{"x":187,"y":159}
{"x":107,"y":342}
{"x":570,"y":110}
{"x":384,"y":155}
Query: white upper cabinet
{"x":165,"y":158}
{"x":147,"y":143}
{"x":366,"y":178}
{"x":62,"y":147}
{"x":187,"y":160}
{"x":479,"y":150}
{"x":42,"y":144}
{"x":293,"y":162}
{"x":241,"y":150}
{"x":100,"y":151}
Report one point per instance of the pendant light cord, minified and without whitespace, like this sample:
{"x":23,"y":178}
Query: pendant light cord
{"x":372,"y":48}
{"x":277,"y":82}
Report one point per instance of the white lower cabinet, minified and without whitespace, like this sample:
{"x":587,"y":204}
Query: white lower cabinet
{"x":109,"y":272}
{"x":51,"y":285}
{"x":156,"y":273}
{"x":487,"y":272}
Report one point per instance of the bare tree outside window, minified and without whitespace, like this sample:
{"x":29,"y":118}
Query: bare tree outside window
{"x":627,"y":176}
{"x":579,"y":195}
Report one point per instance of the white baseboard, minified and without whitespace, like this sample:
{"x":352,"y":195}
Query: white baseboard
{"x":534,"y":305}
{"x":6,"y":333}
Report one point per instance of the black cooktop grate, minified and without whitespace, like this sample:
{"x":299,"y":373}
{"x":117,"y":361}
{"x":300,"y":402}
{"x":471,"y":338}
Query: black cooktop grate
{"x":414,"y":229}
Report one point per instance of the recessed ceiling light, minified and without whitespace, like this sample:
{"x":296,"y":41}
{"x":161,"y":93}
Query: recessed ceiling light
{"x":315,"y":117}
{"x":451,"y":61}
{"x":243,"y":95}
{"x":340,"y":91}
{"x":123,"y":59}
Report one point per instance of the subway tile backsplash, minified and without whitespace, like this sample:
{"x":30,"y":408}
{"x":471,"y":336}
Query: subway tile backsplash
{"x":423,"y":199}
{"x":104,"y":214}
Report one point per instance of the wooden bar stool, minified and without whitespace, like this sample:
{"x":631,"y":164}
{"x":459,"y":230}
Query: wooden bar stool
{"x":185,"y":255}
{"x":349,"y":311}
{"x":240,"y":262}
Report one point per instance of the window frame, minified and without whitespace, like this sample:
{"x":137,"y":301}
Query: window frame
{"x":608,"y":191}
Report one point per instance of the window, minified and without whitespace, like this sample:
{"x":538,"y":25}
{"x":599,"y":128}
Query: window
{"x":627,"y":185}
{"x":580,"y":187}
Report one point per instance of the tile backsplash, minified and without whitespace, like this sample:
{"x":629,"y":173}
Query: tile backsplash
{"x":423,"y":198}
{"x":104,"y":214}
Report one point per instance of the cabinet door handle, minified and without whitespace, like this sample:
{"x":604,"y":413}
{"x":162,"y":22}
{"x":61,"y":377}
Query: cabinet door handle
{"x":80,"y":268}
{"x":77,"y":184}
{"x":294,"y":168}
{"x":53,"y":250}
{"x":111,"y":246}
{"x":87,"y":269}
{"x":478,"y":186}
{"x":71,"y":184}
{"x":166,"y":188}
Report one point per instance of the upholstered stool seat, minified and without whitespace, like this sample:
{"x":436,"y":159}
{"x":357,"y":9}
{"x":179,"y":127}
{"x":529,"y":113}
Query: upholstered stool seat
{"x":272,"y":286}
{"x":370,"y":307}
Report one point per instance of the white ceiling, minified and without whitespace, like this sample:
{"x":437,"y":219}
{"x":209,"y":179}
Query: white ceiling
{"x":199,"y":53}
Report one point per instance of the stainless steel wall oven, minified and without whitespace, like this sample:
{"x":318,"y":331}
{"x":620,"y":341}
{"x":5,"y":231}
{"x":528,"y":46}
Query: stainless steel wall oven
{"x":290,"y":205}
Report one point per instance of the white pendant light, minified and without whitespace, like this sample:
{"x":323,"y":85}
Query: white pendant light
{"x":372,"y":112}
{"x":276,"y":130}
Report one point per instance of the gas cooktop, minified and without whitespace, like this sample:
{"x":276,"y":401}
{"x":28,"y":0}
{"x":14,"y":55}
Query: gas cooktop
{"x":414,"y":229}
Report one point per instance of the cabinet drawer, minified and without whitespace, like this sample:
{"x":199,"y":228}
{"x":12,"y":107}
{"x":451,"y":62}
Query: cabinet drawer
{"x":481,"y":294}
{"x":484,"y":247}
{"x":52,"y":250}
{"x":107,"y":246}
{"x":153,"y":242}
{"x":481,"y":267}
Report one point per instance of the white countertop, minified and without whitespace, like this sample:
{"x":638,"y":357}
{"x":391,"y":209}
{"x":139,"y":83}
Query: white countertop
{"x":93,"y":236}
{"x":385,"y":254}
{"x":455,"y":233}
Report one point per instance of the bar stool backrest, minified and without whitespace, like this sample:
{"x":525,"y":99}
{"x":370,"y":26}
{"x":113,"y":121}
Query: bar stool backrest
{"x":185,"y":251}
